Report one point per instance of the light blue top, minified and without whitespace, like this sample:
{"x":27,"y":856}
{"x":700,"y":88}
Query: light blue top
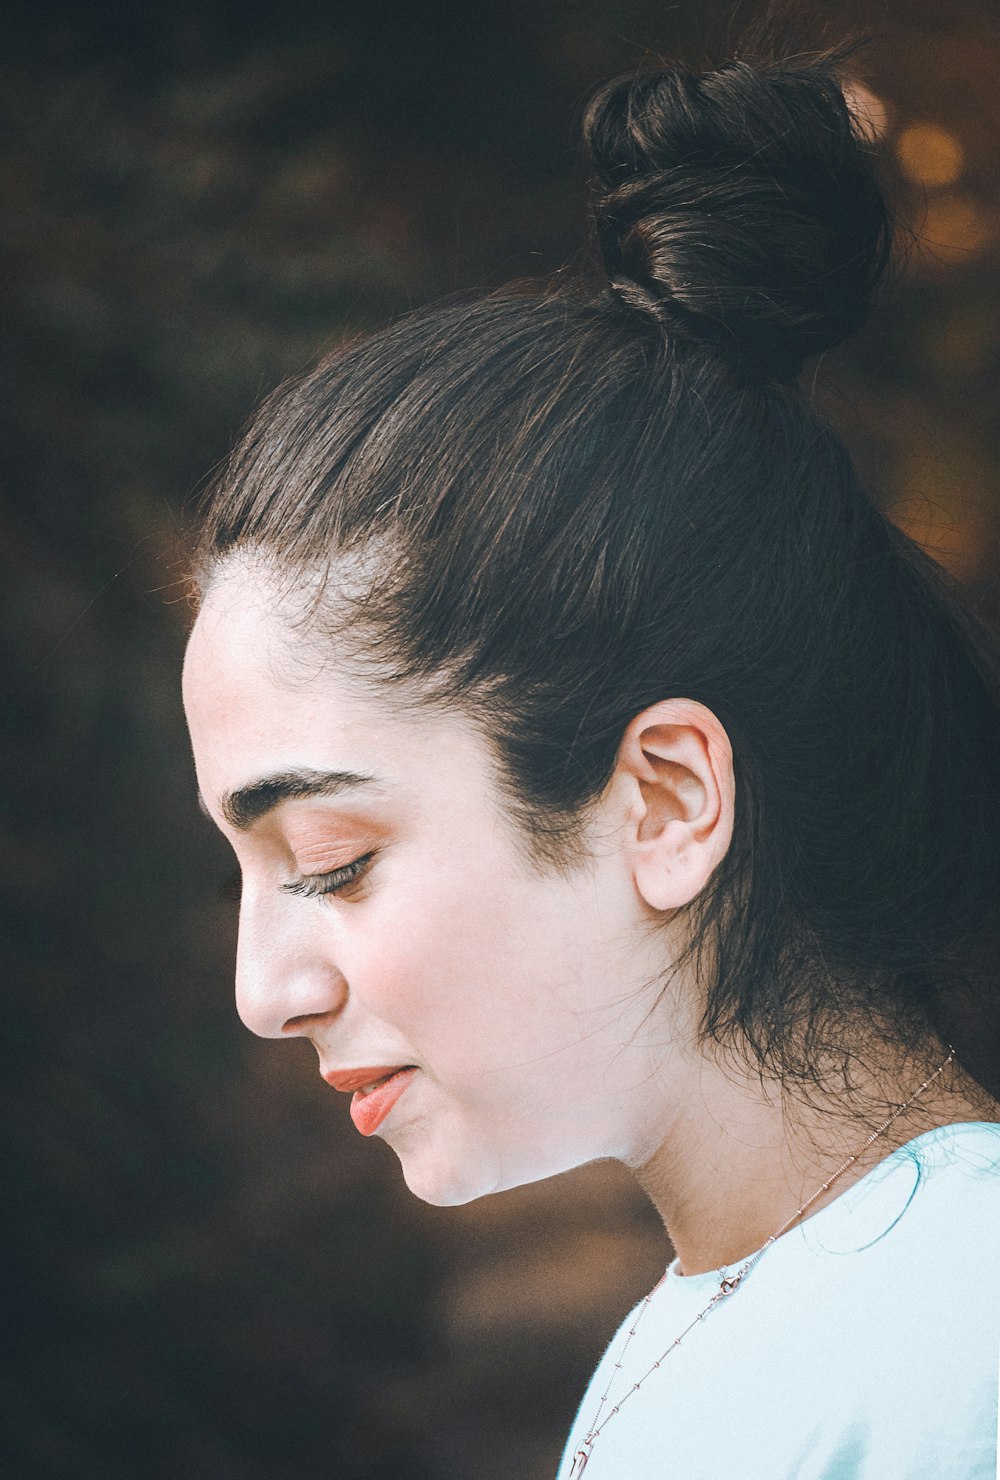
{"x":864,"y":1345}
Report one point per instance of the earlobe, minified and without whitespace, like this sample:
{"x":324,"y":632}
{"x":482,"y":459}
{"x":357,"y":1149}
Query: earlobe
{"x":677,"y":760}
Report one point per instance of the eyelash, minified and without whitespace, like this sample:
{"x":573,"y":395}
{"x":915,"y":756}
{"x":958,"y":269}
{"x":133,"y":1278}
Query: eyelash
{"x":315,"y":886}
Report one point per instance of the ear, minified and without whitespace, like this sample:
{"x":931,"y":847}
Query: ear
{"x":675,"y":764}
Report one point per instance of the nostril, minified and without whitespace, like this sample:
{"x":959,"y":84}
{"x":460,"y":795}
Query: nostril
{"x":297,"y":1024}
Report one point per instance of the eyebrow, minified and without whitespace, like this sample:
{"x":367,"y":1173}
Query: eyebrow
{"x":248,"y":804}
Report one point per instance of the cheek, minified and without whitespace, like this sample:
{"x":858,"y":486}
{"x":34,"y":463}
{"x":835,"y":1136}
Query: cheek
{"x":456,"y":966}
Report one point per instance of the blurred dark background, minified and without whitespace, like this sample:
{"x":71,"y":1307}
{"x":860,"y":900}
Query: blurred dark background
{"x":206,"y":1273}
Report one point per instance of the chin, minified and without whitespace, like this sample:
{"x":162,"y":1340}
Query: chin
{"x":446,"y":1170}
{"x":448,"y":1181}
{"x":443,"y":1183}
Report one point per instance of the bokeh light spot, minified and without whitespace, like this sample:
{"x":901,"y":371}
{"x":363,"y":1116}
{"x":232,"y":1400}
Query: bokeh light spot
{"x":930,"y":154}
{"x":955,"y":228}
{"x":870,"y":111}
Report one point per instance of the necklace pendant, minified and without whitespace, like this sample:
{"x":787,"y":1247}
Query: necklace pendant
{"x":580,"y":1459}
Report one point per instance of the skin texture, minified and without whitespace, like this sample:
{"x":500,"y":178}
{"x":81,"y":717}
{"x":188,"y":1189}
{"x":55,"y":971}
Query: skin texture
{"x":530,"y":1002}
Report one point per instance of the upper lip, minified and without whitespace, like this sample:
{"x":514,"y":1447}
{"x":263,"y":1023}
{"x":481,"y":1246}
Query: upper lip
{"x":352,"y":1079}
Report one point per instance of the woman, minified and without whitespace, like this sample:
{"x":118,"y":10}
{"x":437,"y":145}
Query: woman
{"x":610,"y":779}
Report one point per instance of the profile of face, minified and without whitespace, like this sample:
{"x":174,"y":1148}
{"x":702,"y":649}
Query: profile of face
{"x":391,"y":912}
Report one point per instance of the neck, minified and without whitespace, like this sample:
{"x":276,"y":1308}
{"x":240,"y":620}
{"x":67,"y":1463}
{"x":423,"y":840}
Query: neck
{"x":743,"y":1154}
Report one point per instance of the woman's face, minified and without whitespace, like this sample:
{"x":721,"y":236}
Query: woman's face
{"x":518,"y":999}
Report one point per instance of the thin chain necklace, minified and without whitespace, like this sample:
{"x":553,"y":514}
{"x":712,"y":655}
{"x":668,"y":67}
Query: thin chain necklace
{"x":728,"y":1284}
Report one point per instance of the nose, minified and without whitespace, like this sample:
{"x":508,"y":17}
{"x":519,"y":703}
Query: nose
{"x":286,"y":977}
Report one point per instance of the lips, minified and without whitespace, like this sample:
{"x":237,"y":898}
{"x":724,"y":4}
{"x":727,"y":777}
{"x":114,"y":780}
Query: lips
{"x":347,"y":1080}
{"x":376,"y":1091}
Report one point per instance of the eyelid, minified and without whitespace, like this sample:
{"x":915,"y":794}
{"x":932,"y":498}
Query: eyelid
{"x":315,"y":886}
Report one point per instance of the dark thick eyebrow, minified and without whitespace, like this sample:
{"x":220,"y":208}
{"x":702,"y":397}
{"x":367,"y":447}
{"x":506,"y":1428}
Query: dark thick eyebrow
{"x":248,"y":804}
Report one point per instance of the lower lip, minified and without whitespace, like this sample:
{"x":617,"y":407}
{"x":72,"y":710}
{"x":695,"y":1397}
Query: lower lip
{"x":369,"y":1110}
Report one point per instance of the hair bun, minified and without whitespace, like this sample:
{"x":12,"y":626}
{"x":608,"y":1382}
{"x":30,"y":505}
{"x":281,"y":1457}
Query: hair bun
{"x":741,"y":206}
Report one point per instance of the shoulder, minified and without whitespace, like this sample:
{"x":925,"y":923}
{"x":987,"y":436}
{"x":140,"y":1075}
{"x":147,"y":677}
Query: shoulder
{"x":925,"y":1219}
{"x":943,"y":1190}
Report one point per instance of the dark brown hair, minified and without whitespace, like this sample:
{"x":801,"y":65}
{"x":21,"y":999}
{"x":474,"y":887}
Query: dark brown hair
{"x":572,"y":504}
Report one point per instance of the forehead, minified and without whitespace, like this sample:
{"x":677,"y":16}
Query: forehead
{"x":255,"y":709}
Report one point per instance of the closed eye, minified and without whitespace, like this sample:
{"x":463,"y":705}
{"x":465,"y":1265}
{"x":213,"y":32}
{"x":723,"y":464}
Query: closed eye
{"x":313,"y":886}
